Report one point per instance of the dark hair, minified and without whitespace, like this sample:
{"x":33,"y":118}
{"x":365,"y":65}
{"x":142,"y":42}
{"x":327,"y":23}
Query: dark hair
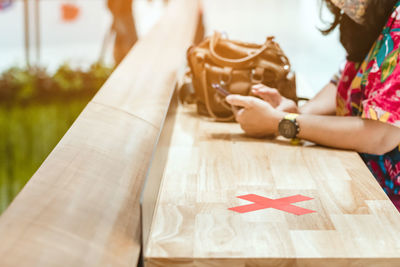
{"x":357,"y":39}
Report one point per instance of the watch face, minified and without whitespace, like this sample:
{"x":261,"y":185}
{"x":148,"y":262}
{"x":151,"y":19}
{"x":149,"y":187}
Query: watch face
{"x":287,"y":129}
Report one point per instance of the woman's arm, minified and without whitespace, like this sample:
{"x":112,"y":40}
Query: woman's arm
{"x":361,"y":135}
{"x":258,"y":118}
{"x":324,"y":103}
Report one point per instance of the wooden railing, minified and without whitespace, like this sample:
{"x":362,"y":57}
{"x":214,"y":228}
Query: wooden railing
{"x":81,"y":208}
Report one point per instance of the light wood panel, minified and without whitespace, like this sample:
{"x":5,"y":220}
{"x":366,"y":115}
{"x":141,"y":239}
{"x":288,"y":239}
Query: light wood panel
{"x":81,"y":208}
{"x":210,"y":164}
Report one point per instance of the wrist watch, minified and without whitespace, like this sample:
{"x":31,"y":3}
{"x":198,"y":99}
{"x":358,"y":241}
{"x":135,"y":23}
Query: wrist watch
{"x":288,"y":126}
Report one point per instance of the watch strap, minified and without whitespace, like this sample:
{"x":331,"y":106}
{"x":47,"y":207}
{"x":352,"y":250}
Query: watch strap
{"x":291,"y":116}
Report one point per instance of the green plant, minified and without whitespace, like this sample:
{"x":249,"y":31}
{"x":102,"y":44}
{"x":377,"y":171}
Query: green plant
{"x":21,"y":86}
{"x":36,"y":109}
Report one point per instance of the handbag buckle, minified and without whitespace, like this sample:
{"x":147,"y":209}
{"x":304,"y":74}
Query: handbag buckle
{"x":257,"y":75}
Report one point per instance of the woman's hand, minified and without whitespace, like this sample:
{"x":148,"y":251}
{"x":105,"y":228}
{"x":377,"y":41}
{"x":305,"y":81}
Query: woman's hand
{"x":257,"y":118}
{"x":273,"y":97}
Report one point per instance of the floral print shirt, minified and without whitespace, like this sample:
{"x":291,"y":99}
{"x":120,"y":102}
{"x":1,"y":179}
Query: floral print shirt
{"x":371,"y":90}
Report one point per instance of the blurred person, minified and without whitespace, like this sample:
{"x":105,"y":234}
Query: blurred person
{"x":124,"y":27}
{"x":359,"y":109}
{"x":125,"y":30}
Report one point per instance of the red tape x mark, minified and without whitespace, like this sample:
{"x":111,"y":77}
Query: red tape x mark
{"x":283,"y":204}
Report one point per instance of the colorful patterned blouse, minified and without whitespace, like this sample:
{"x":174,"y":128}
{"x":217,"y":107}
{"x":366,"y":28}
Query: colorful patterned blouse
{"x":371,"y":90}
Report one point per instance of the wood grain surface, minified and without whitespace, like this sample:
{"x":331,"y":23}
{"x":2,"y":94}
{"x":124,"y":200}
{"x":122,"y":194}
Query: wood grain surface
{"x":210,"y":164}
{"x":81,"y":208}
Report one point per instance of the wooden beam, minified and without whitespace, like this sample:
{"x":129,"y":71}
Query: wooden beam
{"x":81,"y":208}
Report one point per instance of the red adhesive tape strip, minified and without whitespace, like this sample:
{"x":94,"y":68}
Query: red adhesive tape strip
{"x":283,"y":204}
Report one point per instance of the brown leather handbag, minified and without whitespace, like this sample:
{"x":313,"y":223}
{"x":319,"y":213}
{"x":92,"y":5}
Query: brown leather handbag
{"x":220,"y":67}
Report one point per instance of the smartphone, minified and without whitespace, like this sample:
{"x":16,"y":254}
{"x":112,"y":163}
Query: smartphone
{"x":222,"y":91}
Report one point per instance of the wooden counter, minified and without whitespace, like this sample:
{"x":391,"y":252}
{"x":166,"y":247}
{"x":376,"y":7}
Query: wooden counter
{"x":210,"y":164}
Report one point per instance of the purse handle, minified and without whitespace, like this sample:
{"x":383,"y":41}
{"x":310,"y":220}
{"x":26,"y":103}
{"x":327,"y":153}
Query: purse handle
{"x":235,"y":63}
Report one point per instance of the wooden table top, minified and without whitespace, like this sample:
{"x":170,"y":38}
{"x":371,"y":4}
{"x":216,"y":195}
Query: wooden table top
{"x":210,"y":164}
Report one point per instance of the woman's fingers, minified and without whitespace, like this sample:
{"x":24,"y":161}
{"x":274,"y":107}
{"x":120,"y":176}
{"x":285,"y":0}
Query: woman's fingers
{"x":263,"y":89}
{"x":268,"y":94}
{"x":241,"y":101}
{"x":258,"y":86}
{"x":261,"y":93}
{"x":240,"y":104}
{"x":239,"y":115}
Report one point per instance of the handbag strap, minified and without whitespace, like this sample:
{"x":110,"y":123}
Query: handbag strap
{"x":235,"y":63}
{"x":207,"y":100}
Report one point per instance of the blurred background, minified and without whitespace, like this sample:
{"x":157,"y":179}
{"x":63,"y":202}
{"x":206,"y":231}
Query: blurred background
{"x":56,"y":54}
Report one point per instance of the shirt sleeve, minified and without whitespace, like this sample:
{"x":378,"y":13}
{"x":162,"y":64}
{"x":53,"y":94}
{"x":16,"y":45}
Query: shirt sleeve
{"x":383,"y":102}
